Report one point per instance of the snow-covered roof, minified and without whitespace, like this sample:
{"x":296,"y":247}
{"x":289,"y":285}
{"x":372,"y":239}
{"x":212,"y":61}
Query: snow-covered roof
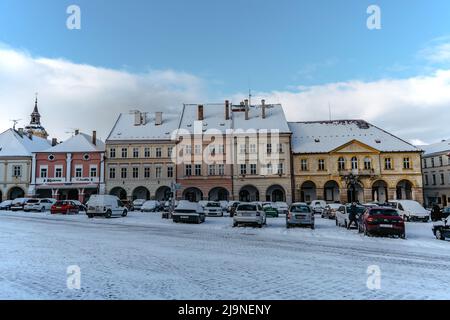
{"x":213,"y":117}
{"x":14,"y":144}
{"x":80,"y":142}
{"x":124,"y":129}
{"x":325,"y":136}
{"x":440,"y":147}
{"x":275,"y":118}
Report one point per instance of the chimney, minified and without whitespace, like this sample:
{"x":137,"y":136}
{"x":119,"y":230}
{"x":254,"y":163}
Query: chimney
{"x":200,"y":112}
{"x":227,"y":110}
{"x":158,"y":118}
{"x":54,"y":142}
{"x":263,"y":108}
{"x":246,"y":109}
{"x":94,"y":138}
{"x":77,"y":132}
{"x":137,"y":118}
{"x":20,"y":131}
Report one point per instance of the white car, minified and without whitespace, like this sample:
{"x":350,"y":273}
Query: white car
{"x":342,"y":214}
{"x":282,"y":207}
{"x":41,"y":205}
{"x":213,"y":209}
{"x":411,"y":210}
{"x":187,"y":211}
{"x":249,"y":213}
{"x":6,"y":205}
{"x":150,"y":206}
{"x":137,"y":204}
{"x":318,"y":206}
{"x":106,"y":206}
{"x":18,"y":204}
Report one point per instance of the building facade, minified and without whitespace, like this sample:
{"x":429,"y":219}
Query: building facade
{"x":73,"y":169}
{"x":16,"y":149}
{"x":352,"y":160}
{"x":139,"y":151}
{"x":436,"y":173}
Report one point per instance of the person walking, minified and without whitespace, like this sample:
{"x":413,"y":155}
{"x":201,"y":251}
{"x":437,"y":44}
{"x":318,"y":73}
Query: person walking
{"x":352,"y":215}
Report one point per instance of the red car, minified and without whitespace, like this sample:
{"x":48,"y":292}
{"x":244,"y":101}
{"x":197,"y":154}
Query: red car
{"x":382,"y":221}
{"x":65,"y":207}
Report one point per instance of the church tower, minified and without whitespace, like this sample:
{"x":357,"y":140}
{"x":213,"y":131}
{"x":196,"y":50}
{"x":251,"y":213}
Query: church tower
{"x":35,"y":128}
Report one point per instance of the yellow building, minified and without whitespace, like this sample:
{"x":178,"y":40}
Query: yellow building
{"x":352,"y":160}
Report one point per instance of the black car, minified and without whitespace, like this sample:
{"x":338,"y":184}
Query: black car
{"x":442,"y":230}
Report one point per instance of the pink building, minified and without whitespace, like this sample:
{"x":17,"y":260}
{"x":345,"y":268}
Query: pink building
{"x":73,"y":169}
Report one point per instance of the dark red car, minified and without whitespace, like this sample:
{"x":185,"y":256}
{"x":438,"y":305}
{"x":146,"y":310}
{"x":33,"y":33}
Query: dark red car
{"x":65,"y":207}
{"x":382,"y":221}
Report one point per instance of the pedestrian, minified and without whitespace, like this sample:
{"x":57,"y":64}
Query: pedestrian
{"x":352,"y":215}
{"x":436,"y":213}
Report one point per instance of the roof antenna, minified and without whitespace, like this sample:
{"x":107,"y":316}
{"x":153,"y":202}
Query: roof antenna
{"x":15,"y":121}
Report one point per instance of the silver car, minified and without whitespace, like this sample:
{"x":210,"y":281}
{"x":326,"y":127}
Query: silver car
{"x":249,"y":213}
{"x":300,"y":214}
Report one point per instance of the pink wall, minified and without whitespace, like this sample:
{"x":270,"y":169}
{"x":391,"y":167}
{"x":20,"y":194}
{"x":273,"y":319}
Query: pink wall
{"x":60,"y":159}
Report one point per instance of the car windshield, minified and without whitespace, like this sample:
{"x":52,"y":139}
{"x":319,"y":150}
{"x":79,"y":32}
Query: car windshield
{"x":185,"y":211}
{"x":60,"y":203}
{"x":300,"y":209}
{"x":214,"y":205}
{"x":33,"y":201}
{"x":246,"y":207}
{"x":383,"y":212}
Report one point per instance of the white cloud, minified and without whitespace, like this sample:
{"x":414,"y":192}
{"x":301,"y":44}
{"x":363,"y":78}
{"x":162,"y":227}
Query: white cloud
{"x":82,"y":96}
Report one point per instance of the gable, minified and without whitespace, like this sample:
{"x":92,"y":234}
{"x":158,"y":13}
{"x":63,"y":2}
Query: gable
{"x":355,"y":146}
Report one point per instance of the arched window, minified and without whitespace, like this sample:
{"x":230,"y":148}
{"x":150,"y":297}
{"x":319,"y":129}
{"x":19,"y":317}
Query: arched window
{"x":341,"y":163}
{"x":354,"y":163}
{"x":367,"y":163}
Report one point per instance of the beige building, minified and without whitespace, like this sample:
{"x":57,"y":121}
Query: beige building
{"x":436,"y":173}
{"x":139,"y":156}
{"x":352,"y":160}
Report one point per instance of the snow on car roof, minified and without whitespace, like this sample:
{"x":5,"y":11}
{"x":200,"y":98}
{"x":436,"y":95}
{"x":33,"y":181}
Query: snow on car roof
{"x":124,"y":128}
{"x":14,"y":144}
{"x":325,"y":136}
{"x":80,"y":142}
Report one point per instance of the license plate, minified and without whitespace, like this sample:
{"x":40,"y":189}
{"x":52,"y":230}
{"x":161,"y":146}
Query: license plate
{"x":58,"y":207}
{"x":386,"y":225}
{"x":184,"y":217}
{"x":300,"y":217}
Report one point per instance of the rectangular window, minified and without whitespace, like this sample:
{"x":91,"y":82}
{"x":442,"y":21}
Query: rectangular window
{"x":426,"y":180}
{"x":434,"y":179}
{"x":147,"y":153}
{"x":188,"y":170}
{"x":158,"y":171}
{"x":78,"y":172}
{"x":406,"y":163}
{"x":198,"y":149}
{"x":221,"y":149}
{"x":280,"y":148}
{"x":253,"y":168}
{"x":123,"y":173}
{"x":158,"y":152}
{"x":304,"y":165}
{"x":441,"y":161}
{"x":211,"y":170}
{"x":188,"y":149}
{"x":198,"y":169}
{"x":43,"y":172}
{"x":58,"y":172}
{"x":425,"y":165}
{"x":135,"y":173}
{"x":321,"y":165}
{"x":442,"y":179}
{"x":112,"y":173}
{"x":112,"y":152}
{"x":17,"y":171}
{"x":147,"y":172}
{"x":93,"y":172}
{"x":221,"y":169}
{"x":252,"y":148}
{"x":170,"y":172}
{"x":388,"y":164}
{"x":135,"y":152}
{"x":269,"y":169}
{"x":169,"y":152}
{"x":432,"y":162}
{"x":243,"y":170}
{"x":269,"y":148}
{"x":124,"y":153}
{"x":280,"y":169}
{"x":242,"y":149}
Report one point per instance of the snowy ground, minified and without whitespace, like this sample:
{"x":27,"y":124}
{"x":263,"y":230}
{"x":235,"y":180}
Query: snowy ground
{"x":145,"y":257}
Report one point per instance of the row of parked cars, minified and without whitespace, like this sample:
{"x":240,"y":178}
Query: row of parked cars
{"x":43,"y":205}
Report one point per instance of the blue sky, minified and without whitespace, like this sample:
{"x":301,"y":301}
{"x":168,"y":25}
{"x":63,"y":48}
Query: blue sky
{"x":270,"y":46}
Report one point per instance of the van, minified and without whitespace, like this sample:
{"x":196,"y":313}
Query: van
{"x":411,"y":210}
{"x":106,"y":206}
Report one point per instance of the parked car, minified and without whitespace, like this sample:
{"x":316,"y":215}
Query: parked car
{"x":342,"y":218}
{"x":137,"y":204}
{"x":106,"y":206}
{"x":213,"y":209}
{"x":203,"y":203}
{"x":18,"y":204}
{"x":187,"y":211}
{"x":441,"y":229}
{"x":411,"y":210}
{"x":318,"y":206}
{"x":300,"y":214}
{"x":382,"y":221}
{"x":249,"y":213}
{"x":41,"y":205}
{"x":330,"y":210}
{"x":6,"y":205}
{"x":64,"y":207}
{"x":282,"y":207}
{"x":270,"y":210}
{"x":150,"y":206}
